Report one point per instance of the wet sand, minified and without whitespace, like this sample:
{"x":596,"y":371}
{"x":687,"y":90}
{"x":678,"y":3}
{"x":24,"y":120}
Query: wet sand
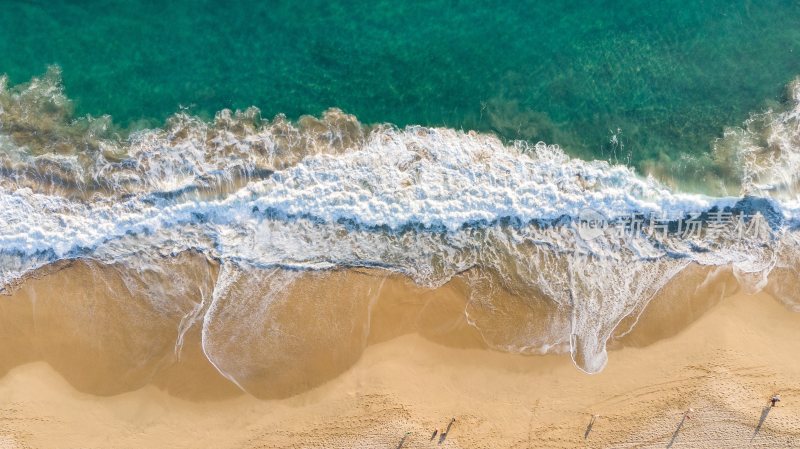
{"x":724,"y":358}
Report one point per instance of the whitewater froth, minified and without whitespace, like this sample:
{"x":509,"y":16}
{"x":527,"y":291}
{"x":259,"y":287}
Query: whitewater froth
{"x":430,"y":203}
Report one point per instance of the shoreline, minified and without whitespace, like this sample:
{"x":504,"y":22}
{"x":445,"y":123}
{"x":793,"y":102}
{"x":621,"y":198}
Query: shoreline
{"x":725,"y":365}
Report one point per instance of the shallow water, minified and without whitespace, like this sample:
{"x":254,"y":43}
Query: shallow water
{"x":270,"y":200}
{"x":550,"y":252}
{"x":651,"y":84}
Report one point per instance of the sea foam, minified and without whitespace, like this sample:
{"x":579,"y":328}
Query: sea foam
{"x":430,"y":203}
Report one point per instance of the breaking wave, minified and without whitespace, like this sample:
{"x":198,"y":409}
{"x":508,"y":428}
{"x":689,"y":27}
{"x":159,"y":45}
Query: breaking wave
{"x":585,"y":243}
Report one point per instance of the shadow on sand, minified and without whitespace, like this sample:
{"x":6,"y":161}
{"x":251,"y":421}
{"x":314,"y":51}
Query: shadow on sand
{"x":403,"y":440}
{"x":764,"y":414}
{"x":677,"y":431}
{"x":589,"y":428}
{"x":444,"y":434}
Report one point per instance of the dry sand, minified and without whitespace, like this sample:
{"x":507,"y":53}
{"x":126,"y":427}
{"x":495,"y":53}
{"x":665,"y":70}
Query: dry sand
{"x":725,"y":365}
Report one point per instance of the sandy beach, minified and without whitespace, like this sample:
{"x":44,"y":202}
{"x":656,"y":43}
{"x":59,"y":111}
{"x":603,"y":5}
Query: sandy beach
{"x":724,"y":359}
{"x":361,"y":225}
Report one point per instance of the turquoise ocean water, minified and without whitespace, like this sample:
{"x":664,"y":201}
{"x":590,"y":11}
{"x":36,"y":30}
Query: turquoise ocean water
{"x":639,"y":82}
